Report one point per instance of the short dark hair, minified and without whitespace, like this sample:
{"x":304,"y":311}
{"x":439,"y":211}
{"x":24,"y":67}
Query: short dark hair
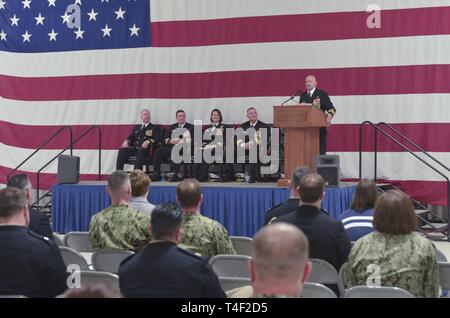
{"x":219,"y":112}
{"x":20,"y":181}
{"x":250,"y":108}
{"x":12,"y":201}
{"x":179,"y":111}
{"x":117,"y":180}
{"x":139,"y":183}
{"x":311,"y":188}
{"x":394,"y":214}
{"x":298,"y":174}
{"x":165,"y":220}
{"x":188,"y":193}
{"x":366,"y":195}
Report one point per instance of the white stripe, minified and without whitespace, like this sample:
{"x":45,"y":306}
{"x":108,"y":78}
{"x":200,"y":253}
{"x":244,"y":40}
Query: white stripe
{"x":413,"y":108}
{"x":357,"y":218}
{"x":173,"y":10}
{"x":256,"y":56}
{"x":359,"y":224}
{"x":12,"y":156}
{"x":392,"y":166}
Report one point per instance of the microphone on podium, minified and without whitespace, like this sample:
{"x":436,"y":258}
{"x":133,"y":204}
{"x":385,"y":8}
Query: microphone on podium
{"x":292,"y":97}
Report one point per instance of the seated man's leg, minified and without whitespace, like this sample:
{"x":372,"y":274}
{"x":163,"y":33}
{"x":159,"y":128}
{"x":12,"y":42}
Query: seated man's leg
{"x":123,"y":156}
{"x":161,"y":155}
{"x":142,"y":154}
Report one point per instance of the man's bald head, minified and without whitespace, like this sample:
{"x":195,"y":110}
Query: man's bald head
{"x":280,"y":251}
{"x":310,"y":82}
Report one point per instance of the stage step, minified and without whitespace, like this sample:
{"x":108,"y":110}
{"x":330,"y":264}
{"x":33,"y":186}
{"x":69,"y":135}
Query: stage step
{"x":422,"y":211}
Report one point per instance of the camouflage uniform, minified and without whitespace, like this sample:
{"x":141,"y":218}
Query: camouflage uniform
{"x":405,"y":261}
{"x":119,"y":227}
{"x":204,"y":236}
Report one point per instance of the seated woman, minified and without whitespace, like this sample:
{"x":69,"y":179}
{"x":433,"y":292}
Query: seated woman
{"x":394,"y":255}
{"x":358,"y":219}
{"x":201,"y":170}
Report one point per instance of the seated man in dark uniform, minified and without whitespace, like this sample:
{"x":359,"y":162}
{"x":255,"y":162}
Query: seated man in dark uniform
{"x":164,"y":153}
{"x":140,"y":142}
{"x":31,"y":265}
{"x":163,"y":270}
{"x":321,"y":100}
{"x":253,"y":140}
{"x":294,"y":200}
{"x":39,"y":222}
{"x":327,"y":237}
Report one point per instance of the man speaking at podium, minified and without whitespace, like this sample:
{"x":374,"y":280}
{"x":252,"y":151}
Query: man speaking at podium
{"x":321,"y":100}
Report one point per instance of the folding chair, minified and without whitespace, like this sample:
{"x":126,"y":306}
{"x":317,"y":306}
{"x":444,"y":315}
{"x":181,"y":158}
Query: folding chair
{"x":342,"y":279}
{"x":242,"y":245}
{"x":440,"y":257}
{"x":58,"y":241}
{"x":323,"y":272}
{"x":79,"y":241}
{"x":230,"y":265}
{"x":99,"y":278}
{"x":316,"y":290}
{"x":71,"y":257}
{"x":377,"y":292}
{"x":228,"y":283}
{"x":109,"y":261}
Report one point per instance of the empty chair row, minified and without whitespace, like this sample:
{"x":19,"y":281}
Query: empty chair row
{"x":101,"y":261}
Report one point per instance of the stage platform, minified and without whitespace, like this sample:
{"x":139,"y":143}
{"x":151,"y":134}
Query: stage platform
{"x":240,"y":207}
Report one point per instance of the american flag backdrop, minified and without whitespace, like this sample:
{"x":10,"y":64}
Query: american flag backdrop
{"x":85,"y":62}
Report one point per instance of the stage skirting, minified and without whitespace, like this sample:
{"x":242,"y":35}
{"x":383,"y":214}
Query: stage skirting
{"x":239,"y":207}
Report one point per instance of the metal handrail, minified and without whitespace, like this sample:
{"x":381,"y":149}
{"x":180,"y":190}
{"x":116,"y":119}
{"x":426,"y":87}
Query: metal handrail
{"x":414,"y":144}
{"x":43,"y":145}
{"x":71,"y":146}
{"x":378,"y":129}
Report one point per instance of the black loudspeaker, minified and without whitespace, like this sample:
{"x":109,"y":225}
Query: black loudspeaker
{"x":328,"y":168}
{"x":68,"y":169}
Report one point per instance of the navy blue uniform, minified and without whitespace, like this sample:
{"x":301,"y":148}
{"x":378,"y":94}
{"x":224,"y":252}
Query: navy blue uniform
{"x":163,"y":154}
{"x":253,"y":169}
{"x":40,"y":223}
{"x":326,"y":106}
{"x":137,"y":137}
{"x":163,"y":270}
{"x":201,"y":170}
{"x":30,"y":265}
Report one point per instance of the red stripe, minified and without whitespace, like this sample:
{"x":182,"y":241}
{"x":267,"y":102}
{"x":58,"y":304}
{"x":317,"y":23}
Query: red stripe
{"x":431,"y":192}
{"x":341,"y":137}
{"x":301,"y":27}
{"x":338,"y":81}
{"x":46,"y":180}
{"x":345,"y":137}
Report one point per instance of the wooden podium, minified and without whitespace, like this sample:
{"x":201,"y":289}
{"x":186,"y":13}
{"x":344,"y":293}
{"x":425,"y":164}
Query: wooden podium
{"x":301,"y":125}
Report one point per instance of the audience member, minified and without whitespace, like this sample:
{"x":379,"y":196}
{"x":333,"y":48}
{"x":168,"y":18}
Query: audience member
{"x":31,"y":265}
{"x":200,"y":234}
{"x":164,"y":270}
{"x":140,"y":183}
{"x":294,"y":200}
{"x":394,"y":255}
{"x":39,"y":222}
{"x":358,"y":219}
{"x":279,"y":266}
{"x":119,"y":227}
{"x":327,"y":237}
